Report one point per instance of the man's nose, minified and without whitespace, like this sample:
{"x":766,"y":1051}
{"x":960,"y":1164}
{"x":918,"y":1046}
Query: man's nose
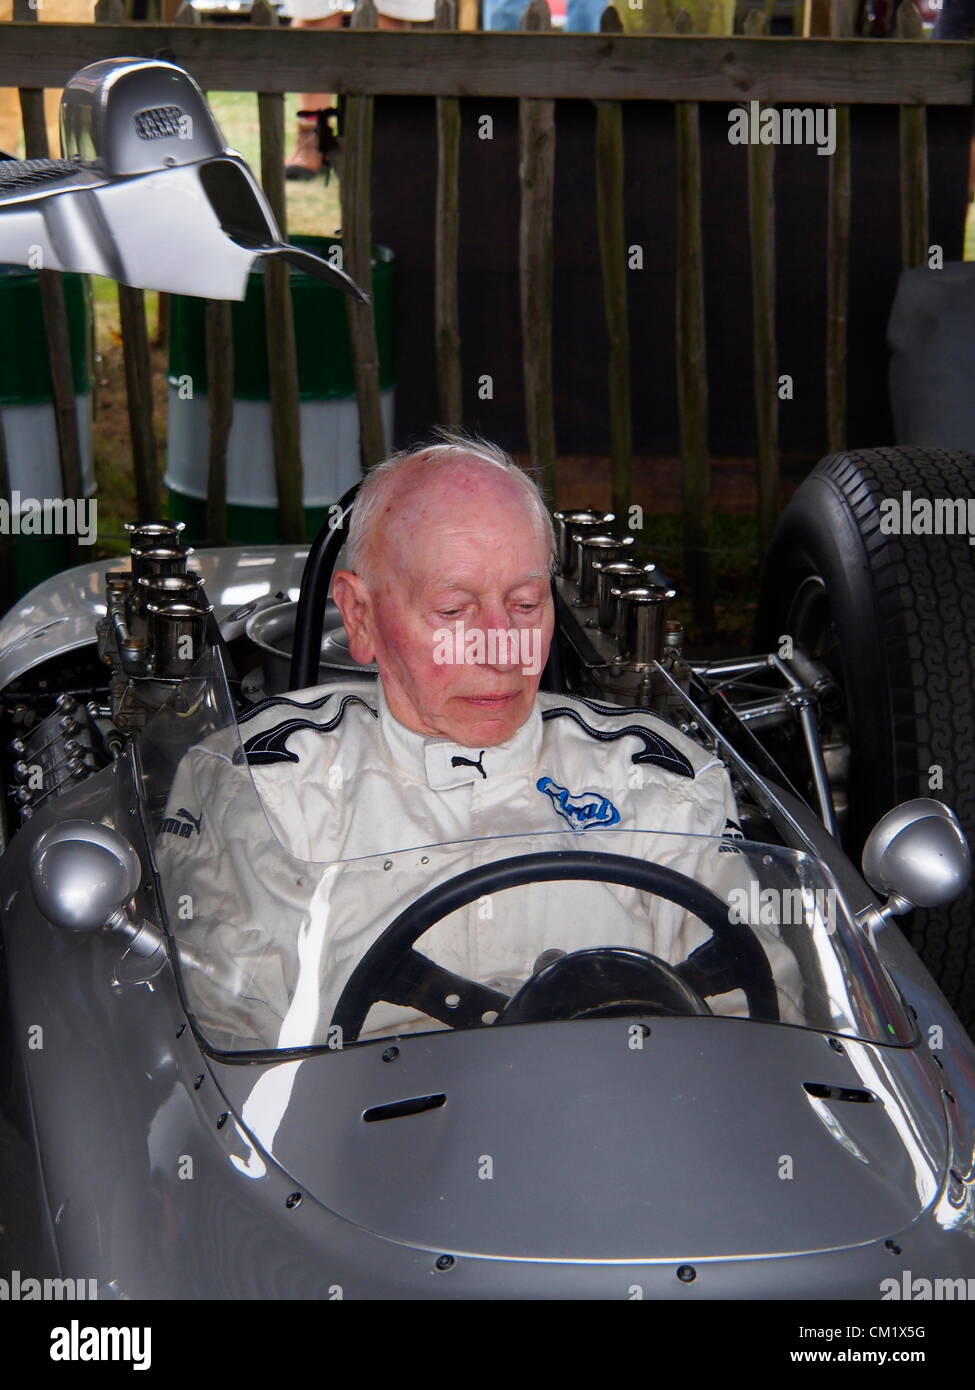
{"x":502,"y":648}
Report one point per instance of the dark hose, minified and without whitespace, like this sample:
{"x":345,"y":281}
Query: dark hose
{"x":306,"y":649}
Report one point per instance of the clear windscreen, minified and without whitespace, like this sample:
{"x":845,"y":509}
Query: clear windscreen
{"x":280,"y":951}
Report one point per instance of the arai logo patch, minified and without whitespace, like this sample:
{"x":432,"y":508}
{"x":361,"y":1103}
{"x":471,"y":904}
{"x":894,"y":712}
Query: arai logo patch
{"x":583,"y":810}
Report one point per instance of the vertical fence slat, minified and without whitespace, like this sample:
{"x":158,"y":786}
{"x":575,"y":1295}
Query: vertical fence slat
{"x":219,"y":346}
{"x":446,"y":304}
{"x":220,"y":414}
{"x":815,"y":21}
{"x":186,"y":16}
{"x":838,"y":256}
{"x":612,"y":257}
{"x":761,"y":224}
{"x":7,"y":571}
{"x":356,"y":193}
{"x":137,"y":363}
{"x":139,"y":396}
{"x":54,"y":311}
{"x":282,"y":355}
{"x":139,"y":399}
{"x":536,"y":174}
{"x":913,"y":157}
{"x":692,"y":373}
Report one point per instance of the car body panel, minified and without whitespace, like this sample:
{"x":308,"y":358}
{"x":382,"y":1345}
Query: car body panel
{"x":150,"y":1194}
{"x":584,"y":1140}
{"x":59,"y":615}
{"x":566,"y":1162}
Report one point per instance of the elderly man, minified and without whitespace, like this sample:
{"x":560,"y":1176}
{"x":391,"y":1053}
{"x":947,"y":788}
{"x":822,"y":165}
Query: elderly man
{"x":447,"y":590}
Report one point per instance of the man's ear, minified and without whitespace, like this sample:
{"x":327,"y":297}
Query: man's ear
{"x":352,"y":598}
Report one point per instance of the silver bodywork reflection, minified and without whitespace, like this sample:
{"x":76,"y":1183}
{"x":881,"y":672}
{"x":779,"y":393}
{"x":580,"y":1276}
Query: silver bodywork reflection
{"x":620,"y":1164}
{"x":592,"y":1202}
{"x":918,"y":855}
{"x":147,"y":192}
{"x":59,"y":615}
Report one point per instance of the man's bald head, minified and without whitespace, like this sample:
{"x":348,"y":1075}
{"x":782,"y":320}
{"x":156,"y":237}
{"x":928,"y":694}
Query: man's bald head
{"x":396,"y":493}
{"x":451,"y":542}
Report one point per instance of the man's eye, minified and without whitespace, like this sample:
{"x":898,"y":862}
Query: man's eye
{"x":527,"y":607}
{"x":450,"y":612}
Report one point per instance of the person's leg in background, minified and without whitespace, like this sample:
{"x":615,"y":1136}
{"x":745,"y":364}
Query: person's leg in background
{"x":502,"y":14}
{"x":583,"y":16}
{"x":305,"y":161}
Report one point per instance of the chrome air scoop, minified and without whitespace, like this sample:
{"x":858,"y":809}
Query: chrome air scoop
{"x":147,"y":191}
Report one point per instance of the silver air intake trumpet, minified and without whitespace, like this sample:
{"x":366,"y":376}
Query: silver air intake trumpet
{"x":147,"y":192}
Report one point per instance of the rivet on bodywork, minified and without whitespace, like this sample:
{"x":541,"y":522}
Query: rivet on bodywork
{"x":181,"y":1030}
{"x":222,"y":1119}
{"x":836,"y":1045}
{"x":948,"y":1096}
{"x":197,"y":1082}
{"x":444,"y":1262}
{"x":892,"y":1247}
{"x":292,"y":1200}
{"x":687,"y":1274}
{"x":390,"y":1054}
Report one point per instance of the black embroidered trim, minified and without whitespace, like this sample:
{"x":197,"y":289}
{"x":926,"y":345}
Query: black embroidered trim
{"x":273,"y":700}
{"x":599,"y":708}
{"x":655,"y":749}
{"x":271,"y":745}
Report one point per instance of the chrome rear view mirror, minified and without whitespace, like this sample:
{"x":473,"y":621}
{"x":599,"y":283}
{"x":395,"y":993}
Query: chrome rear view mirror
{"x":917,"y":856}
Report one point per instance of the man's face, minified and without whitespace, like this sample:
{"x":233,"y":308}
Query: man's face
{"x":457,"y":610}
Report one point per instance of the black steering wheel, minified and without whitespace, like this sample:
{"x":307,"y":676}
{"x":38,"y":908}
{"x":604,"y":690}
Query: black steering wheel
{"x":392,"y":971}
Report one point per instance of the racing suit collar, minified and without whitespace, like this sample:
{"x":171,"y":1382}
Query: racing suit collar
{"x":442,"y":764}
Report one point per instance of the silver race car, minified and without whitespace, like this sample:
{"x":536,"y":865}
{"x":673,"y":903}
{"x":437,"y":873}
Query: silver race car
{"x":786,"y":1112}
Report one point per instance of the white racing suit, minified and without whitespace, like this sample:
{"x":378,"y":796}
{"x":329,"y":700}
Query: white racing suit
{"x":280,"y":868}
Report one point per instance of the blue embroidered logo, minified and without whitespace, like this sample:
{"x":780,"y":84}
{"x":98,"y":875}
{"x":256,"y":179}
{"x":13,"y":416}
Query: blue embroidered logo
{"x":583,"y":810}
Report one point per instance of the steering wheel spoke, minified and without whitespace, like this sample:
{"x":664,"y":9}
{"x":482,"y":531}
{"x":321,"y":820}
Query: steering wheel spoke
{"x":419,"y":983}
{"x":713,"y":968}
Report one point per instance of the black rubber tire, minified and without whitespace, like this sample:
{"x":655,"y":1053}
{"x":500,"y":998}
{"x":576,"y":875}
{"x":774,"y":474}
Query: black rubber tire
{"x":903,"y":607}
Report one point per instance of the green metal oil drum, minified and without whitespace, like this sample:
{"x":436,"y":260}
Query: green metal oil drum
{"x":329,"y":418}
{"x":29,"y":423}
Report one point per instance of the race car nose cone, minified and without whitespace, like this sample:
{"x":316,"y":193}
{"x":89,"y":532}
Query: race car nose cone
{"x":82,"y":873}
{"x":147,"y":193}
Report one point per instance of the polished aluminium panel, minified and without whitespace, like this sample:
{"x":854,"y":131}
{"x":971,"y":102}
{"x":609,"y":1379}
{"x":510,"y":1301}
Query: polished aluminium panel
{"x":59,"y":615}
{"x":158,"y":1184}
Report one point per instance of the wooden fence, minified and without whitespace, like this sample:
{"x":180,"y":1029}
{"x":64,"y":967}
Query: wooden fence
{"x":538,"y":68}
